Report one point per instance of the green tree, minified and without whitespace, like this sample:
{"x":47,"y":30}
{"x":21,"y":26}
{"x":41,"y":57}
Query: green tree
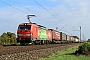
{"x":8,"y":38}
{"x":4,"y":38}
{"x":76,"y":37}
{"x":88,"y":40}
{"x":13,"y":38}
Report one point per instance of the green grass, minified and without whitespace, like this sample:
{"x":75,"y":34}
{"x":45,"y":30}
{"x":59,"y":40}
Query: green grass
{"x":66,"y":54}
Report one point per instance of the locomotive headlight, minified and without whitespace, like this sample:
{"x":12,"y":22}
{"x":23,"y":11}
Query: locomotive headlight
{"x":19,"y":35}
{"x":28,"y":34}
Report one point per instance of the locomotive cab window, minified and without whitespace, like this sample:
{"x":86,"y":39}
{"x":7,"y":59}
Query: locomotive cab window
{"x":24,"y":27}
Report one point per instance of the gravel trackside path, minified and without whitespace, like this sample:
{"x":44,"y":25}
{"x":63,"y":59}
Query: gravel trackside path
{"x":30,"y":52}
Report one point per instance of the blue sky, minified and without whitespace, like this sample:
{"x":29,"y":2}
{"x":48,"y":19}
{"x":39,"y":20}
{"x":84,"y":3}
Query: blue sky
{"x":67,"y":15}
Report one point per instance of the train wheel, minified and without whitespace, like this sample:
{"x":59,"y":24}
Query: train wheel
{"x":33,"y":43}
{"x":47,"y":42}
{"x":42,"y":42}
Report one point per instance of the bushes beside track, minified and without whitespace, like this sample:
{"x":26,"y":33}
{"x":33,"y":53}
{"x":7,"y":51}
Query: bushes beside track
{"x":84,"y":49}
{"x":7,"y":38}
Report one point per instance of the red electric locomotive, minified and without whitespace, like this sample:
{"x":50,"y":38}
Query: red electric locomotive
{"x":33,"y":33}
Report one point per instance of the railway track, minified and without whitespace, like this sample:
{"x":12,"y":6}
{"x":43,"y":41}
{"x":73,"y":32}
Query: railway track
{"x":14,"y":49}
{"x":33,"y":52}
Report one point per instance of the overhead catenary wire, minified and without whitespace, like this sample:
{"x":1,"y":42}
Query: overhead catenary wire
{"x":47,"y":4}
{"x":13,"y":7}
{"x":51,"y":14}
{"x":55,"y":16}
{"x":31,"y":11}
{"x":46,"y":10}
{"x":42,"y":7}
{"x":23,"y":6}
{"x":28,"y":9}
{"x":19,"y":9}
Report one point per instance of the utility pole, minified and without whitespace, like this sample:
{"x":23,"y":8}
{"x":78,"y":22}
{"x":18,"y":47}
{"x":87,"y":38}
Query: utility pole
{"x":83,"y":37}
{"x":80,"y":33}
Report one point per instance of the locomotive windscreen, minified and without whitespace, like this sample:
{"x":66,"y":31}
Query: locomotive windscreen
{"x":25,"y":27}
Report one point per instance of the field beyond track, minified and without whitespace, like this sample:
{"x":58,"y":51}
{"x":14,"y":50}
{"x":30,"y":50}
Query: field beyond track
{"x":66,"y":54}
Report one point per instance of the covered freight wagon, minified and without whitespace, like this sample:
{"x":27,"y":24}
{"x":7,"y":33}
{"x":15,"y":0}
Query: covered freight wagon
{"x":49,"y":34}
{"x":71,"y":39}
{"x":68,"y":38}
{"x":76,"y":40}
{"x":55,"y":36}
{"x":63,"y":37}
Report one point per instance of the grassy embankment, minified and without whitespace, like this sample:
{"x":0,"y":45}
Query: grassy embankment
{"x":66,"y":54}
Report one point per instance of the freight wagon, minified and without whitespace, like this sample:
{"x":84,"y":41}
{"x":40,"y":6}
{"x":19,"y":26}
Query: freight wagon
{"x":68,"y":38}
{"x":71,"y":39}
{"x":76,"y":40}
{"x":63,"y":37}
{"x":55,"y":36}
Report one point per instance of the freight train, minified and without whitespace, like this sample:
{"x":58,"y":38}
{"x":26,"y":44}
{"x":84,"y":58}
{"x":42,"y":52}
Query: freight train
{"x":31,"y":33}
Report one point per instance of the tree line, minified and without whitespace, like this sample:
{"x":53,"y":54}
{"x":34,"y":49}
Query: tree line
{"x":7,"y":38}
